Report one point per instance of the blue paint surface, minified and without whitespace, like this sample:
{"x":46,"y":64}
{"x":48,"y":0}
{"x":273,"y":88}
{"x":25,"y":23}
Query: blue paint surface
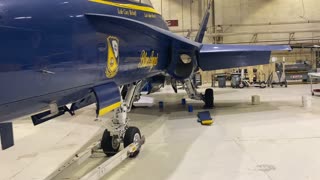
{"x":51,"y":53}
{"x":190,"y":108}
{"x":107,"y":95}
{"x":56,"y":51}
{"x":161,"y":105}
{"x":183,"y":101}
{"x":221,"y":56}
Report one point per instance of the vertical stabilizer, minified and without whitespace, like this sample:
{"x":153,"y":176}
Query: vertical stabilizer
{"x":204,"y":24}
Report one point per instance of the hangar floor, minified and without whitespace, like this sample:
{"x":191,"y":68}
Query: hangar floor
{"x":278,"y":139}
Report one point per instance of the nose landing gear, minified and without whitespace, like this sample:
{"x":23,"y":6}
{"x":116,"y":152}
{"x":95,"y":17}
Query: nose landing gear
{"x":122,"y":133}
{"x":111,"y":144}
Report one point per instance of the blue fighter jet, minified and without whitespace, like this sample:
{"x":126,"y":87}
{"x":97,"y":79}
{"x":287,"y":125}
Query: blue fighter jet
{"x":60,"y":52}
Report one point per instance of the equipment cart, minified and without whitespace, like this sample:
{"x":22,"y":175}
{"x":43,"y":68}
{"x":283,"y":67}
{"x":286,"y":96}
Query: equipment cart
{"x":313,"y":76}
{"x":278,"y":77}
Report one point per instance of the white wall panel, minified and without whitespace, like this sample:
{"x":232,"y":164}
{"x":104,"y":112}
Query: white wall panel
{"x":232,"y":12}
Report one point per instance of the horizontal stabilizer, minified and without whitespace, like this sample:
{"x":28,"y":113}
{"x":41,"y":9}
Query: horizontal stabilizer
{"x":6,"y":134}
{"x":217,"y":56}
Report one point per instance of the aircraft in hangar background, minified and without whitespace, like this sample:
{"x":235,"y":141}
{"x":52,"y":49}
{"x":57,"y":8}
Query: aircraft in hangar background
{"x":59,"y":52}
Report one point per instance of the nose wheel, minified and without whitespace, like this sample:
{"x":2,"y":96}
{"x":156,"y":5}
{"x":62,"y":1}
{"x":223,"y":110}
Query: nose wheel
{"x":132,"y":135}
{"x":109,"y":144}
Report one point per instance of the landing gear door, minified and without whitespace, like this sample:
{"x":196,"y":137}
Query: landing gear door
{"x":108,"y":98}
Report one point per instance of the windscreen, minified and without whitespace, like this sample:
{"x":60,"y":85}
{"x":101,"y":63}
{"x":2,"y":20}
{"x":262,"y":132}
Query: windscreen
{"x":147,"y":2}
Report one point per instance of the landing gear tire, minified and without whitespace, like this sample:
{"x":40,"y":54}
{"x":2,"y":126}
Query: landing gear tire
{"x":109,"y":144}
{"x":263,"y":85}
{"x":208,"y":98}
{"x":132,"y":135}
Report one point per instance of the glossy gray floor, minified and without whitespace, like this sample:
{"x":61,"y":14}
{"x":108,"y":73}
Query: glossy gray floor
{"x":278,"y":139}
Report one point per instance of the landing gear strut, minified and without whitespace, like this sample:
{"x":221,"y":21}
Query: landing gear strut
{"x":121,"y":132}
{"x":207,"y":98}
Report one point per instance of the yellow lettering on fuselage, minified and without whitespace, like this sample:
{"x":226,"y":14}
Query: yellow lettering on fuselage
{"x":127,"y":12}
{"x":148,"y":61}
{"x":149,"y":15}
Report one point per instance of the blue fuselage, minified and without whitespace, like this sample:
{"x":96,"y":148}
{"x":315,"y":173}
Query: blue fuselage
{"x":49,"y":51}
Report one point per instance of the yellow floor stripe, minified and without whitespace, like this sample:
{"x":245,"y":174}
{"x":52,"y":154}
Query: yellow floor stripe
{"x":127,"y":6}
{"x":107,"y":109}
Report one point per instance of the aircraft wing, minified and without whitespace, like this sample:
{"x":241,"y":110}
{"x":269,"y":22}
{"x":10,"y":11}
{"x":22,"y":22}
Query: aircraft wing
{"x":221,"y":56}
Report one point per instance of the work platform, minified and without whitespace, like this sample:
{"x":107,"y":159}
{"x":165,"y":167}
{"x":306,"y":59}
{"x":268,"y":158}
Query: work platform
{"x":277,"y":140}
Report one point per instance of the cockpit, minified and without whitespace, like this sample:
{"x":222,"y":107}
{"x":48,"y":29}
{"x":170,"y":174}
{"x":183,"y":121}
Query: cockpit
{"x":146,"y":2}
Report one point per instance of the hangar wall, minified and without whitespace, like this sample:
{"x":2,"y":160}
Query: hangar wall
{"x":271,"y":21}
